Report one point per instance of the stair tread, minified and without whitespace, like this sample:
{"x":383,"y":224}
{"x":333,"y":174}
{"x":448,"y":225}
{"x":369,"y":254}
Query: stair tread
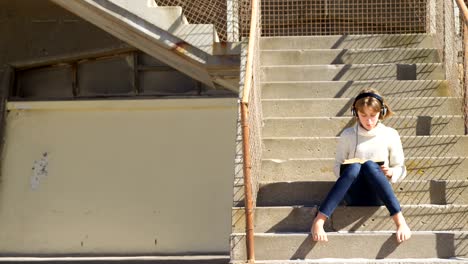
{"x":363,"y":261}
{"x":344,"y":65}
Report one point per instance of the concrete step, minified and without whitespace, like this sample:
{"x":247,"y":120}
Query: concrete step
{"x":189,"y":259}
{"x":349,"y":89}
{"x":347,"y":56}
{"x":310,"y":193}
{"x":348,"y":42}
{"x":325,"y":147}
{"x":367,"y":245}
{"x":430,"y":168}
{"x":199,"y":35}
{"x":165,"y":17}
{"x":360,"y":261}
{"x":353,"y":72}
{"x":337,"y":107}
{"x":327,"y":126}
{"x":354,"y":218}
{"x":171,"y":20}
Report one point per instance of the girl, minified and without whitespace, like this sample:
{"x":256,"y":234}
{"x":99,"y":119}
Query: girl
{"x":367,"y":184}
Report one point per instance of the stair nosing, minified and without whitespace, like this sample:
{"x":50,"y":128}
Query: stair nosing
{"x":336,"y":137}
{"x":348,"y":98}
{"x":335,"y":233}
{"x":353,"y":81}
{"x":332,"y":159}
{"x":351,"y":49}
{"x":341,"y":65}
{"x":348,"y":117}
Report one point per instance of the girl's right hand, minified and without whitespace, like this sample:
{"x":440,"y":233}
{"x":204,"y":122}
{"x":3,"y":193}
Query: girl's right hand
{"x":387,"y":171}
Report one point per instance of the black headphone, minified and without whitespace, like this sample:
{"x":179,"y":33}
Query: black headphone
{"x":383,"y":108}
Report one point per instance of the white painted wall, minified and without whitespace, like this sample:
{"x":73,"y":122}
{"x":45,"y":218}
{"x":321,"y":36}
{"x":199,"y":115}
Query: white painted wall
{"x":118,"y":177}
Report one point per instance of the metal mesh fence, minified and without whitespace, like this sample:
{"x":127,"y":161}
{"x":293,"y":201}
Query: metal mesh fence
{"x":222,"y":14}
{"x":463,"y":71}
{"x":255,"y":112}
{"x":307,"y":17}
{"x":450,"y":39}
{"x":463,"y":62}
{"x":331,"y":17}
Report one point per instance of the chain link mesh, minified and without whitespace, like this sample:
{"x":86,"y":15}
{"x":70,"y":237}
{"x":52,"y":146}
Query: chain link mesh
{"x":451,"y":42}
{"x":255,"y":113}
{"x":222,"y":14}
{"x":333,"y":17}
{"x":463,"y":63}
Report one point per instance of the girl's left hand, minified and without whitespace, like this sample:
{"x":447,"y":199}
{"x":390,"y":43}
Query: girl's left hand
{"x":387,"y":171}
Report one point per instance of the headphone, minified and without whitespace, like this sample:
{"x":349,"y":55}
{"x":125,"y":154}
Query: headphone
{"x":383,"y":108}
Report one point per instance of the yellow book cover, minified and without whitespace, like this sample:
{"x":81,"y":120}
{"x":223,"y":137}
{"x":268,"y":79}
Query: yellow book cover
{"x":361,"y":161}
{"x":357,"y":160}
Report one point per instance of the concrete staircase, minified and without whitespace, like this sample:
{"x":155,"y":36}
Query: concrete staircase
{"x":165,"y":34}
{"x":309,"y":84}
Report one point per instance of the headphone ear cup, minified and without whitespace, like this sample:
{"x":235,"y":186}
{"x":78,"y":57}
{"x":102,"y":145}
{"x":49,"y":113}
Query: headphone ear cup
{"x":353,"y":111}
{"x":383,"y":111}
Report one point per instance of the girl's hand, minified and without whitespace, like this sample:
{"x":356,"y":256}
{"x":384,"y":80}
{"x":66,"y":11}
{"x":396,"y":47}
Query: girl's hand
{"x":387,"y":171}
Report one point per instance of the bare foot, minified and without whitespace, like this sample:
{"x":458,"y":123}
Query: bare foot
{"x":403,"y":231}
{"x":317,"y":230}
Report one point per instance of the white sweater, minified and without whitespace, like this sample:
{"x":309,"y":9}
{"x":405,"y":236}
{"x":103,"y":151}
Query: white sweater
{"x":381,"y":143}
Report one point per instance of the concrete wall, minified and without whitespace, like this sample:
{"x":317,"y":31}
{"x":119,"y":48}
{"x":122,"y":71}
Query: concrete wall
{"x":117,"y":177}
{"x":38,"y":30}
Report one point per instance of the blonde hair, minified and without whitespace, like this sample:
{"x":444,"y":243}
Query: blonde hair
{"x":373,"y":103}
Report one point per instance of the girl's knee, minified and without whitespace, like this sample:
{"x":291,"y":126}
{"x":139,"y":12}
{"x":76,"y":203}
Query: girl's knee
{"x":351,"y":170}
{"x":370,"y":165}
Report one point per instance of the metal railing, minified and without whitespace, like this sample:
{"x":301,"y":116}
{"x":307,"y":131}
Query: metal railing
{"x":463,"y":72}
{"x":449,"y":26}
{"x":251,"y":118}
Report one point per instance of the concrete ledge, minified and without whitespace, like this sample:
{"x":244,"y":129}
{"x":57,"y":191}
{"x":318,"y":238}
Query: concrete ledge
{"x":193,"y":259}
{"x":363,"y":261}
{"x":377,"y":245}
{"x":430,"y":168}
{"x":337,"y":107}
{"x":326,"y":126}
{"x":347,"y":56}
{"x":353,"y":218}
{"x":407,"y":192}
{"x":349,"y":89}
{"x":348,"y":42}
{"x":349,"y":72}
{"x":325,"y":147}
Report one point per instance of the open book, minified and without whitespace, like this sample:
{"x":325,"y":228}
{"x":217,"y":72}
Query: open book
{"x":356,"y":160}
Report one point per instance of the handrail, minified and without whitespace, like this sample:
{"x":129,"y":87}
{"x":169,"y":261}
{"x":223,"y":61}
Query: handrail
{"x":464,"y":10}
{"x":249,"y":64}
{"x":464,"y":28}
{"x":245,"y":134}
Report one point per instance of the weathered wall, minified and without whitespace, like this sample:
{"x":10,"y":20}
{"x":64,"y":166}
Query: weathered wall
{"x":37,"y":30}
{"x":117,"y":177}
{"x":108,"y":177}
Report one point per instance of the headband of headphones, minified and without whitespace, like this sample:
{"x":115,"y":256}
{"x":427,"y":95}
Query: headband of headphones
{"x":364,"y":95}
{"x":383,"y":111}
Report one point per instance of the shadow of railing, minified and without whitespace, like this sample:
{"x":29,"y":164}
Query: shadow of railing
{"x":383,"y":56}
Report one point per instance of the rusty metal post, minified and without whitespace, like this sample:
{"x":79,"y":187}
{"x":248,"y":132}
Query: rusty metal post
{"x":247,"y":185}
{"x":464,"y":27}
{"x":465,"y":70}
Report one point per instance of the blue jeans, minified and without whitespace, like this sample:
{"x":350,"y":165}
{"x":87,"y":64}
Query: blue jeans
{"x":361,"y":185}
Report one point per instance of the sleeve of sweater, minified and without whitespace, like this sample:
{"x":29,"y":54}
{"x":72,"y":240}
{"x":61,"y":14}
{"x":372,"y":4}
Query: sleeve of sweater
{"x":342,"y":151}
{"x":396,"y":157}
